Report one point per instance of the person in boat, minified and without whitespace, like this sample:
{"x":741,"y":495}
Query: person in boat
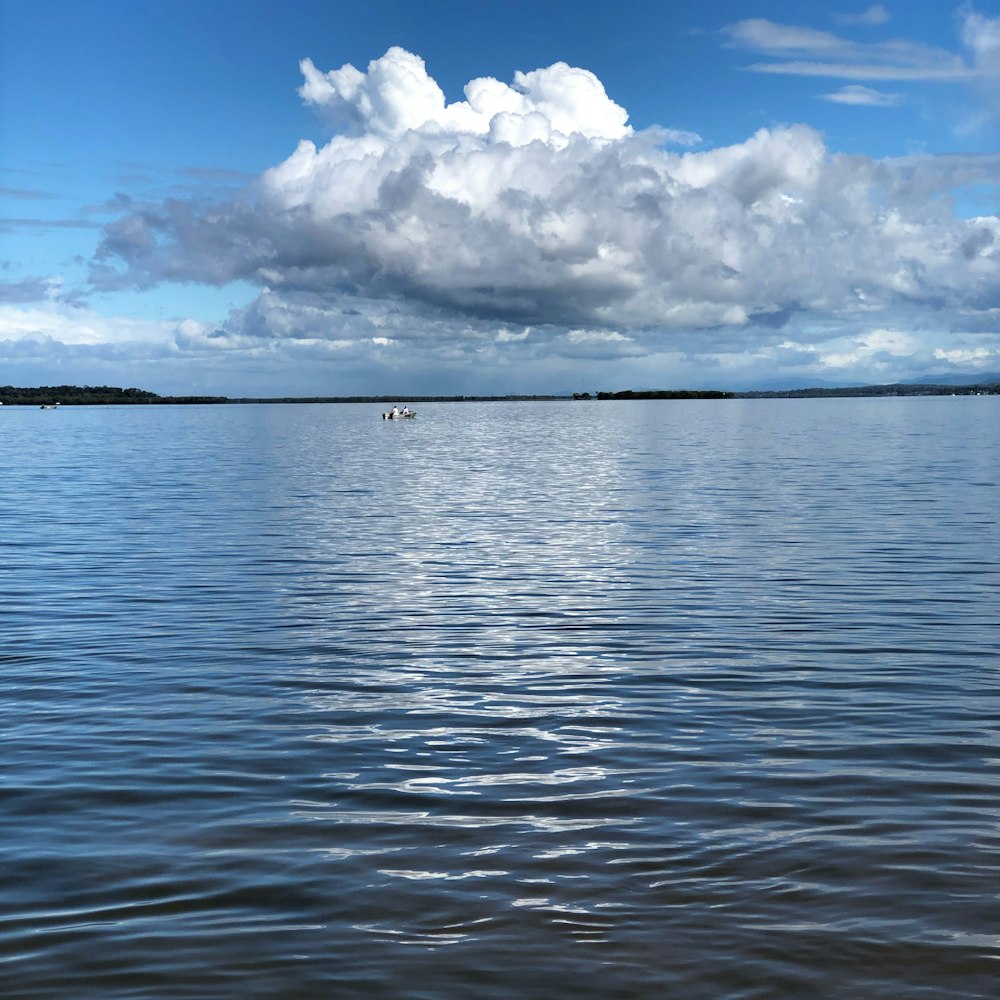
{"x":406,"y":410}
{"x":394,"y":412}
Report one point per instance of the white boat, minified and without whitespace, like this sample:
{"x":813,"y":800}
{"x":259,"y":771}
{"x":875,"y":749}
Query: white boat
{"x":399,"y":415}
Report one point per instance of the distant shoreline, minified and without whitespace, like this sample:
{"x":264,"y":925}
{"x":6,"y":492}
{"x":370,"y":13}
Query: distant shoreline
{"x":68,"y":395}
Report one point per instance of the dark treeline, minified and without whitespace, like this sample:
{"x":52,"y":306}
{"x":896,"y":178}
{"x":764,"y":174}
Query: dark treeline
{"x":103,"y":395}
{"x":91,"y":395}
{"x":660,"y":394}
{"x":389,"y":400}
{"x":46,"y":395}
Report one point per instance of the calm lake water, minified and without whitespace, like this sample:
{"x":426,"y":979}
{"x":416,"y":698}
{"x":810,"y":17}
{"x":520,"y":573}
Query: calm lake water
{"x":653,"y":699}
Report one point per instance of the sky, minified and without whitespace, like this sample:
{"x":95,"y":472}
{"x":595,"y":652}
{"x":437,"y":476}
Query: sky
{"x":416,"y":197}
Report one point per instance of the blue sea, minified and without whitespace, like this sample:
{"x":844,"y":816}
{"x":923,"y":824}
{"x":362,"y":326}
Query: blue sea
{"x":550,"y":700}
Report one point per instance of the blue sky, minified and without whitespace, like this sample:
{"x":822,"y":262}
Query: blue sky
{"x":497,"y":197}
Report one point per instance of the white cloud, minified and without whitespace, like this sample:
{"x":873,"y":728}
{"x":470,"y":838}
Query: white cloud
{"x":978,"y":357}
{"x":599,"y":344}
{"x":596,"y":336}
{"x":855,"y":94}
{"x":396,"y":95}
{"x":78,"y":326}
{"x":981,"y":36}
{"x":802,"y":51}
{"x":529,"y":222}
{"x":762,"y":35}
{"x":875,"y":346}
{"x":874,"y":15}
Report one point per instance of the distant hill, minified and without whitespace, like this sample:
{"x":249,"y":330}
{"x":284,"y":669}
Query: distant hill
{"x":989,"y":378}
{"x":893,"y":389}
{"x":787,"y":384}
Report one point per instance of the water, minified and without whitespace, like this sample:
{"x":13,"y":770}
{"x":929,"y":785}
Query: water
{"x":652,"y":699}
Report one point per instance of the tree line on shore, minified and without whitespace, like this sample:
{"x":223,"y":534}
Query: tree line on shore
{"x":90,"y":395}
{"x":659,"y":394}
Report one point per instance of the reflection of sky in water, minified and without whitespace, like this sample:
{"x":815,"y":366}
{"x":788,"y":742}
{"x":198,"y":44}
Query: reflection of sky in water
{"x":571,"y":619}
{"x":506,"y":679}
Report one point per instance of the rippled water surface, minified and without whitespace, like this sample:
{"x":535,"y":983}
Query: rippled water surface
{"x":652,"y":699}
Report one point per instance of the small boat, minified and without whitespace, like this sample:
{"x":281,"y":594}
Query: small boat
{"x":49,"y":406}
{"x":399,"y":415}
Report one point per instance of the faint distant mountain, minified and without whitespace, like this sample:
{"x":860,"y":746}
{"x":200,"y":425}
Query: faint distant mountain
{"x":980,"y":378}
{"x":781,"y":384}
{"x":788,"y":384}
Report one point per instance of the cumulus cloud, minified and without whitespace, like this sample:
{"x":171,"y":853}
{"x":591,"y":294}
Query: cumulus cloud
{"x":530,"y":221}
{"x":397,"y":95}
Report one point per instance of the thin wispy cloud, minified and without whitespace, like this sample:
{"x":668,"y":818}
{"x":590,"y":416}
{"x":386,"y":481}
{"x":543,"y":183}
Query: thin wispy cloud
{"x":215,"y":175}
{"x":860,"y":96}
{"x":873,"y":16}
{"x":11,"y":224}
{"x":25,"y":194}
{"x":800,"y":51}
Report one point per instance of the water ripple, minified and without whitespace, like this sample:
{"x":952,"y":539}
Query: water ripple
{"x":300,"y":699}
